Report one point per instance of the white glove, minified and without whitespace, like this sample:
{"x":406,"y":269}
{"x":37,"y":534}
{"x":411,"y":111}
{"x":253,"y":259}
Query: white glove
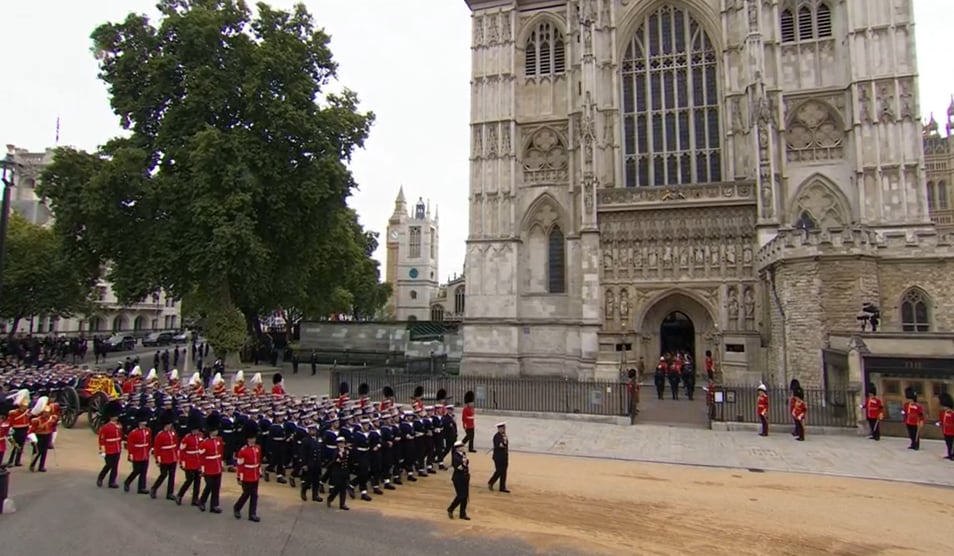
{"x":31,"y":438}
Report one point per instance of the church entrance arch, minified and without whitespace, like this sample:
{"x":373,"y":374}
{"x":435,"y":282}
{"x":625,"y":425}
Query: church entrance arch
{"x":677,"y":334}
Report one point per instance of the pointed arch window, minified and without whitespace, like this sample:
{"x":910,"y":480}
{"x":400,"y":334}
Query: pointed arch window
{"x":915,"y":311}
{"x":459,"y":301}
{"x":942,"y":195}
{"x":813,"y":21}
{"x":437,"y":313}
{"x":556,"y":261}
{"x":823,"y":20}
{"x":545,"y":52}
{"x":788,"y":26}
{"x":805,"y":221}
{"x":805,"y":31}
{"x":671,"y":129}
{"x":930,"y":195}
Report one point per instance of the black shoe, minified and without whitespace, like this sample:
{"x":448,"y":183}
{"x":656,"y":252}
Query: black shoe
{"x":304,"y":497}
{"x":267,"y":477}
{"x":389,"y":486}
{"x":472,"y":451}
{"x":762,"y":434}
{"x":152,"y":494}
{"x":172,"y":497}
{"x":216,"y":510}
{"x":178,"y":500}
{"x":442,"y":467}
{"x":114,"y":486}
{"x":143,"y":492}
{"x":317,"y":499}
{"x":201,"y":507}
{"x":42,"y":470}
{"x":366,"y":497}
{"x":378,"y":490}
{"x":99,"y":483}
{"x":465,"y":518}
{"x":125,"y":487}
{"x":328,"y":502}
{"x":321,"y":489}
{"x":237,"y":514}
{"x":450,"y":514}
{"x":505,"y":491}
{"x":32,"y":468}
{"x":291,"y":482}
{"x":281,"y":480}
{"x":490,"y":487}
{"x":397,"y":482}
{"x":351,"y":492}
{"x":254,"y":518}
{"x":345,"y":508}
{"x":412,"y":478}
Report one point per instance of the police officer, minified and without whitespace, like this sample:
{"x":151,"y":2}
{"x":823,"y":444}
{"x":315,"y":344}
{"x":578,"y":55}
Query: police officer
{"x":461,"y":480}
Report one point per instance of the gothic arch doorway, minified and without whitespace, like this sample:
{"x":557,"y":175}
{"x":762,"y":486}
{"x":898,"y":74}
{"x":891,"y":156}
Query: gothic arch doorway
{"x":677,"y":334}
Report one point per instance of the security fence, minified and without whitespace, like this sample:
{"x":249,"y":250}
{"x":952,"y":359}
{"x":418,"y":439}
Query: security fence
{"x":541,"y":395}
{"x":826,"y":407}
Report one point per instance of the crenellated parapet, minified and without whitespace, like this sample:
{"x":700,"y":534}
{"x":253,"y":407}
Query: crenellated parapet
{"x":791,"y":243}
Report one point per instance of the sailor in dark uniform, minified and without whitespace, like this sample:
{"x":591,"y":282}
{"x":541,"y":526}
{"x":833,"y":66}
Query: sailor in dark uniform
{"x":311,"y":456}
{"x":461,"y":480}
{"x":293,"y":434}
{"x":501,"y":458}
{"x":374,"y":441}
{"x":408,"y":446}
{"x":420,"y":444}
{"x":360,"y":444}
{"x":329,"y":439}
{"x":386,"y":433}
{"x":339,"y":474}
{"x":449,"y":429}
{"x":276,"y":447}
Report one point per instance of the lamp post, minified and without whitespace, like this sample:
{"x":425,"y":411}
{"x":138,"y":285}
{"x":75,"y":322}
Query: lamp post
{"x":9,"y":167}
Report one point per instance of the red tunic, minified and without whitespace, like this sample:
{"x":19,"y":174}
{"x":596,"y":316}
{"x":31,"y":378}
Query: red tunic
{"x":138,"y":443}
{"x":387,"y":403}
{"x":762,"y":406}
{"x":363,"y":402}
{"x":19,"y":418}
{"x":218,"y":390}
{"x":212,"y":448}
{"x":418,"y":405}
{"x":873,"y":407}
{"x":198,"y":390}
{"x":277,"y":390}
{"x":947,"y":422}
{"x":44,"y":424}
{"x":913,"y":413}
{"x":130,"y":385}
{"x":239,"y":389}
{"x":342,"y":400}
{"x":799,"y":410}
{"x":467,"y":417}
{"x":111,"y":439}
{"x":166,"y":447}
{"x":709,"y":365}
{"x":249,"y":460}
{"x":259,"y":390}
{"x":4,"y":431}
{"x":190,"y":450}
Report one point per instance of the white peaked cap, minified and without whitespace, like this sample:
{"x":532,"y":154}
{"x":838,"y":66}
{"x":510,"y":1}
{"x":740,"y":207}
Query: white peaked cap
{"x":136,"y":371}
{"x":22,"y":397}
{"x":39,"y":406}
{"x":196,"y":379}
{"x":257,"y":378}
{"x":174,"y":375}
{"x":240,"y":376}
{"x":152,"y":375}
{"x":763,"y":388}
{"x":217,"y":379}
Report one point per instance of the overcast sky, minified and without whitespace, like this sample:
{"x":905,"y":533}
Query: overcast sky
{"x":409,"y":61}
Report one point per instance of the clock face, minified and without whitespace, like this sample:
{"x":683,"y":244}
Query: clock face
{"x":413,"y":273}
{"x":395,"y":234}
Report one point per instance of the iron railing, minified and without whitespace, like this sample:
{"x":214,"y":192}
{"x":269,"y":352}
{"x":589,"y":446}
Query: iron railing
{"x":826,"y":407}
{"x":539,"y":395}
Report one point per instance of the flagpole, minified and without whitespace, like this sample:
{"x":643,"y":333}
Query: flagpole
{"x":57,"y":143}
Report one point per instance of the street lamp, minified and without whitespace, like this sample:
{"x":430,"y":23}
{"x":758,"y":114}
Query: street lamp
{"x":8,"y":177}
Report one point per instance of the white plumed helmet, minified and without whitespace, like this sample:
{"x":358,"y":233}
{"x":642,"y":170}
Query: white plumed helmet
{"x":152,"y":375}
{"x":39,"y":406}
{"x":217,"y":379}
{"x":22,"y":397}
{"x":174,"y":375}
{"x":195,"y":380}
{"x":240,"y":376}
{"x":137,"y":371}
{"x":763,"y":388}
{"x":257,"y":378}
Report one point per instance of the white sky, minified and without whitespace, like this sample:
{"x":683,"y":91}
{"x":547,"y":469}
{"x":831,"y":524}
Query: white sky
{"x":409,"y":61}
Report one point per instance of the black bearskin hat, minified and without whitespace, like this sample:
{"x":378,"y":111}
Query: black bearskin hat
{"x":910,"y":394}
{"x":167,"y":418}
{"x":631,"y":373}
{"x":250,"y":430}
{"x":418,"y":391}
{"x":388,"y":392}
{"x":343,"y":388}
{"x":363,"y":389}
{"x":469,"y":396}
{"x":143,"y":415}
{"x":194,"y":421}
{"x":945,"y":399}
{"x":113,"y":409}
{"x":794,"y":385}
{"x":872,"y":390}
{"x":212,"y":422}
{"x":441,"y":394}
{"x":276,"y":378}
{"x":799,"y":393}
{"x":5,"y":405}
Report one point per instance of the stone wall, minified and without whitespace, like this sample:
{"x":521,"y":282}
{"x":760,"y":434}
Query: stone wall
{"x":934,"y":276}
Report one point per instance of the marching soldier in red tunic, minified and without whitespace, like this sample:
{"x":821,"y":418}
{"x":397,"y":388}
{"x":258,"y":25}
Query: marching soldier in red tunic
{"x":799,"y":413}
{"x":190,"y":451}
{"x":19,"y":419}
{"x":238,"y":388}
{"x":762,"y":408}
{"x":131,"y":385}
{"x":218,"y":386}
{"x":874,"y":412}
{"x":416,"y":400}
{"x":277,"y":385}
{"x":195,"y":384}
{"x":343,"y":398}
{"x":249,"y":471}
{"x":166,"y":451}
{"x":4,"y":427}
{"x":363,"y":391}
{"x":212,"y":449}
{"x":110,"y":444}
{"x":913,"y":417}
{"x":138,"y":443}
{"x":388,"y":402}
{"x":174,"y":381}
{"x":946,"y":422}
{"x":258,"y":388}
{"x":42,"y":426}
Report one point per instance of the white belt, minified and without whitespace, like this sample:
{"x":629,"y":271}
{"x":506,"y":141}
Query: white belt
{"x":140,"y":445}
{"x":193,"y":452}
{"x":112,"y":440}
{"x":216,"y":456}
{"x":362,"y":449}
{"x":168,"y":448}
{"x":247,"y":466}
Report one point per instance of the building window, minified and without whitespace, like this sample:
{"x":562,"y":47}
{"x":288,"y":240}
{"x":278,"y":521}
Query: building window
{"x":433,"y":244}
{"x":545,"y":52}
{"x":805,"y":222}
{"x":915,"y":311}
{"x":556,"y":262}
{"x":172,"y":321}
{"x":411,"y":318}
{"x":814,"y":22}
{"x":670,"y":103}
{"x":930,"y":195}
{"x":942,"y":195}
{"x":437,"y":313}
{"x":414,"y":242}
{"x":51,"y":324}
{"x":459,"y":301}
{"x":413,"y":294}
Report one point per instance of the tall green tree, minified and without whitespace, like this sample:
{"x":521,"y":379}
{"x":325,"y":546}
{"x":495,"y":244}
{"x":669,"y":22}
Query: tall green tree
{"x":39,"y":278}
{"x":232,"y":180}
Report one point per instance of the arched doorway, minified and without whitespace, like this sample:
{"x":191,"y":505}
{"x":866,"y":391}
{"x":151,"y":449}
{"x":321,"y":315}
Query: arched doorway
{"x":677,"y":334}
{"x":139,"y":323}
{"x":119,"y":323}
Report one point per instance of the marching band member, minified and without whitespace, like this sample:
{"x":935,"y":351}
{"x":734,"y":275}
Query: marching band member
{"x":174,"y":381}
{"x":212,"y":448}
{"x":132,"y":384}
{"x":218,"y":385}
{"x":41,"y":427}
{"x":238,"y":388}
{"x":196,"y":384}
{"x":249,"y":471}
{"x":278,"y":388}
{"x":19,"y":419}
{"x":258,"y":388}
{"x":190,"y":450}
{"x":343,"y":398}
{"x":110,"y":444}
{"x":152,"y":379}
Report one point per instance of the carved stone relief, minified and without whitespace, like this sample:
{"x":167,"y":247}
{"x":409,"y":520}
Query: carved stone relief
{"x":732,"y":307}
{"x":492,"y":140}
{"x":610,"y":306}
{"x":624,"y":304}
{"x":753,"y":9}
{"x":506,"y":32}
{"x":545,"y":158}
{"x":822,"y":206}
{"x":906,"y":97}
{"x":478,"y":140}
{"x":748,"y":305}
{"x":652,"y":195}
{"x":588,"y":194}
{"x":505,"y":141}
{"x":493,"y":30}
{"x":478,"y":31}
{"x":864,"y":104}
{"x":814,"y":133}
{"x":886,"y":102}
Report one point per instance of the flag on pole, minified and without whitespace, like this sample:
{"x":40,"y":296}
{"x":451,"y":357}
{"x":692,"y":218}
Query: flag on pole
{"x":57,"y":130}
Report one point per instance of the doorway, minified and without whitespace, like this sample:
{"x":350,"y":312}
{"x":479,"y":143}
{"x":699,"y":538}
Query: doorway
{"x":677,"y":334}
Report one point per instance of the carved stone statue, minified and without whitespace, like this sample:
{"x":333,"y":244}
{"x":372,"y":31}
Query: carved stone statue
{"x":730,"y":255}
{"x":624,"y":304}
{"x":683,"y":256}
{"x":607,"y":259}
{"x":753,"y":15}
{"x":864,"y":105}
{"x":733,"y":304}
{"x":747,"y":255}
{"x":637,"y":257}
{"x":738,"y":115}
{"x":748,"y":303}
{"x":886,"y":99}
{"x":907,"y":102}
{"x":653,"y":257}
{"x":700,"y":256}
{"x":610,"y":305}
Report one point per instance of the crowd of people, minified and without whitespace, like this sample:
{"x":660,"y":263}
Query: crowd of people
{"x":339,"y":447}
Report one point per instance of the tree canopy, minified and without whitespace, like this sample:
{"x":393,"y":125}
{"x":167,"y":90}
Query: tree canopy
{"x":39,"y":278}
{"x":232,"y":180}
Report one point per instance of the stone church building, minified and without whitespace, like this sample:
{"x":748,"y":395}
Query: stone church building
{"x":739,"y":176}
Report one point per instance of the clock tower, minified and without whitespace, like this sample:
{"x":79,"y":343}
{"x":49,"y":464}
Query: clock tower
{"x":412,"y":265}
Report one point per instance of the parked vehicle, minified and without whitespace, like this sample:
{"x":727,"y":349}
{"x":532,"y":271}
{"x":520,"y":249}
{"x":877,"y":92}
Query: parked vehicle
{"x":121,"y":342}
{"x":157,"y":339}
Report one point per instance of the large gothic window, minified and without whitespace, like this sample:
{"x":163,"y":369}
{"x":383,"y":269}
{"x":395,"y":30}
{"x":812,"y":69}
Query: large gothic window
{"x":942,"y":195}
{"x":437,"y":313}
{"x":805,"y":20}
{"x":914,"y":311}
{"x":556,"y":261}
{"x":670,"y":103}
{"x":930,"y":195}
{"x":545,"y":52}
{"x":459,"y":301}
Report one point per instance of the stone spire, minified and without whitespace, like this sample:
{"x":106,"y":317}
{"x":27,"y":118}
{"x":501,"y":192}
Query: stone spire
{"x":400,"y":205}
